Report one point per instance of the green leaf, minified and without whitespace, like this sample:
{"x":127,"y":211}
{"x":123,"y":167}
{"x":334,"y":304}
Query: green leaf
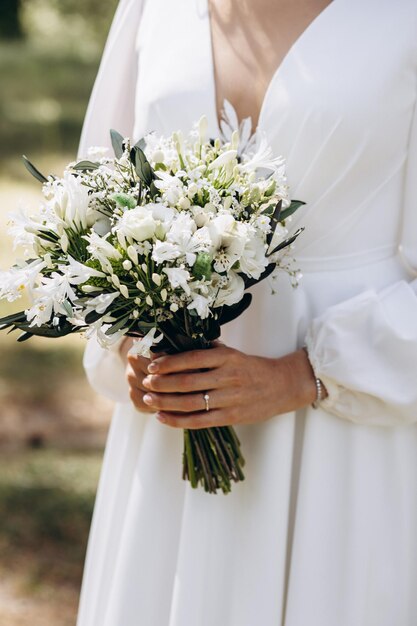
{"x":287,"y":242}
{"x":140,"y":144}
{"x":117,"y":142}
{"x":142,"y":166}
{"x":24,"y":337}
{"x":230,"y":313}
{"x":295,"y":204}
{"x":85,"y":166}
{"x":7,"y":321}
{"x":33,"y":170}
{"x":275,"y":218}
{"x":93,"y":316}
{"x":153,"y":190}
{"x":250,"y":282}
{"x":118,"y":325}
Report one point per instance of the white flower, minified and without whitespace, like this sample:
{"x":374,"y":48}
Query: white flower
{"x":223,"y":159}
{"x":183,"y":223}
{"x":233,"y":292}
{"x":102,"y":250}
{"x":142,"y":347}
{"x":165,"y":251}
{"x":22,"y":229}
{"x":178,"y":277}
{"x":201,"y":304}
{"x":79,"y":273}
{"x":101,"y":303}
{"x":18,"y":280}
{"x":70,"y":201}
{"x":50,"y":297}
{"x":253,"y":260}
{"x":171,"y":187}
{"x":263,"y":157}
{"x":40,"y":313}
{"x":98,"y":331}
{"x":229,"y":124}
{"x":136,"y":224}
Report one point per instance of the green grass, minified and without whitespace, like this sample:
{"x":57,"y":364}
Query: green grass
{"x":46,"y":504}
{"x":43,"y":102}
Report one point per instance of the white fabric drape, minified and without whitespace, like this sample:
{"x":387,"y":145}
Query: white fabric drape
{"x":365,"y":349}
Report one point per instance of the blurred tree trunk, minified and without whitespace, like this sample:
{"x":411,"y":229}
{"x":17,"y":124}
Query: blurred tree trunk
{"x":10,"y":27}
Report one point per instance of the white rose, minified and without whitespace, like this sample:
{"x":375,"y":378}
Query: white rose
{"x":137,"y":224}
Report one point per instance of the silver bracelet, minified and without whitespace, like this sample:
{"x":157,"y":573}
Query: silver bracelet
{"x":320,"y":394}
{"x":319,"y":388}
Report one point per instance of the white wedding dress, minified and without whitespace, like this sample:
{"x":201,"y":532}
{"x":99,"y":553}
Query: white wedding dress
{"x":323,"y":531}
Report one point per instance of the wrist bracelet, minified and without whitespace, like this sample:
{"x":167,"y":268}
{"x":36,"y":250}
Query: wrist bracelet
{"x":319,"y":387}
{"x":320,"y":394}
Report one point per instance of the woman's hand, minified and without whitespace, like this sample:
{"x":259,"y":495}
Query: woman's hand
{"x":241,"y":388}
{"x":136,"y":371}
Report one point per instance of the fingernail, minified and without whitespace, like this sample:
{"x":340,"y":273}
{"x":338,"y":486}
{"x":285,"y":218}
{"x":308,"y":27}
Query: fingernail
{"x":147,"y":398}
{"x":147,"y":381}
{"x":161,"y":417}
{"x":152,"y":368}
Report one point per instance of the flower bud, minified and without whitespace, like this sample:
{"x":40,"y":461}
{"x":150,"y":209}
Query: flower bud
{"x":184,"y":203}
{"x":149,"y":300}
{"x":158,"y":156}
{"x":156,"y":279}
{"x":133,"y":255}
{"x":141,"y":286}
{"x":127,"y":265}
{"x":124,"y":291}
{"x":202,"y":266}
{"x":64,"y":242}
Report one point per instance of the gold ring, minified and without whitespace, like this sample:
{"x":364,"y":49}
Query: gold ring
{"x":206,"y":400}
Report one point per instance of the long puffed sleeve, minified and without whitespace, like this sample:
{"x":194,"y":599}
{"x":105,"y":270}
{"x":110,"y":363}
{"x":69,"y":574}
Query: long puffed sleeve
{"x":365,"y":349}
{"x":112,"y":101}
{"x":112,"y":105}
{"x":106,"y":371}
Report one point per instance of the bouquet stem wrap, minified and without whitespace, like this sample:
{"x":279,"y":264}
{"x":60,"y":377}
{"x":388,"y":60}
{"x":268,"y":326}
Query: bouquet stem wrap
{"x":212,"y":456}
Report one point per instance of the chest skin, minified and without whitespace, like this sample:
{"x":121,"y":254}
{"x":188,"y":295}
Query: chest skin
{"x":249,"y":42}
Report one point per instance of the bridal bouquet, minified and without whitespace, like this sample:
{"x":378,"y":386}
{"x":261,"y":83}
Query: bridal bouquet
{"x":160,"y":242}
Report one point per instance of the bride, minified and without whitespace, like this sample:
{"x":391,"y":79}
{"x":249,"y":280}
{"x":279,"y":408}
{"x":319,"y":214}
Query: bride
{"x":320,"y":381}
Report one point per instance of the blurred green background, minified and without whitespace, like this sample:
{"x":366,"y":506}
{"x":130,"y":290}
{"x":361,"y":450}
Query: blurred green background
{"x":52,"y":426}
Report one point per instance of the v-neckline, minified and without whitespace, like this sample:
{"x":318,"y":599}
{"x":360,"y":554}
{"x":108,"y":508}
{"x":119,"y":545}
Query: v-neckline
{"x":279,"y":69}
